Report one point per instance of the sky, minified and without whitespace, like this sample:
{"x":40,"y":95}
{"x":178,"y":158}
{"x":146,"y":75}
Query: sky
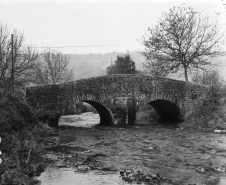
{"x":94,"y":26}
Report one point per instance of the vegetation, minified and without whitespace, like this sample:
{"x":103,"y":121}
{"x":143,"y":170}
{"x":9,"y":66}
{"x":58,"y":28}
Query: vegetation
{"x":123,"y":65}
{"x":48,"y":117}
{"x":52,"y":68}
{"x":182,"y":41}
{"x":22,"y":65}
{"x":210,"y":114}
{"x":21,"y":146}
{"x":91,"y":65}
{"x":24,"y":58}
{"x":24,"y":131}
{"x":211,"y":79}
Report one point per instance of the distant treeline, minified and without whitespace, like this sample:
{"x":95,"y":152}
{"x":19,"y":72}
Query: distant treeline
{"x":91,"y":65}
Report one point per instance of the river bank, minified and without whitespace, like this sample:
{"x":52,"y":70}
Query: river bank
{"x":23,"y":140}
{"x":185,"y":156}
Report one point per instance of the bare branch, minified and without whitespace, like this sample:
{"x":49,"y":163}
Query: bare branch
{"x":23,"y":63}
{"x":52,"y":68}
{"x":182,"y":40}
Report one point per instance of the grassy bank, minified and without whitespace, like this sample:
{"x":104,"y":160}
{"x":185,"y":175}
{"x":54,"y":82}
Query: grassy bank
{"x":23,"y":140}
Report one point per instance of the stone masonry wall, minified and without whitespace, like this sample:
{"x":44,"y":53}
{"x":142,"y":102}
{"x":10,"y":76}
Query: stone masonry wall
{"x":112,"y":90}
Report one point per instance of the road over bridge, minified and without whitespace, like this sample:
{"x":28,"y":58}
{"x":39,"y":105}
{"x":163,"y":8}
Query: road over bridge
{"x":116,"y":97}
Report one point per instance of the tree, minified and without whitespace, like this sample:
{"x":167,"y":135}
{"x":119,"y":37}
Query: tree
{"x":152,"y":68}
{"x":52,"y":68}
{"x":181,"y":41}
{"x":211,"y":79}
{"x":24,"y":58}
{"x":123,"y":65}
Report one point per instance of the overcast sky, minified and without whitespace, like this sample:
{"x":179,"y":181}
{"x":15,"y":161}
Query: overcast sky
{"x":92,"y":26}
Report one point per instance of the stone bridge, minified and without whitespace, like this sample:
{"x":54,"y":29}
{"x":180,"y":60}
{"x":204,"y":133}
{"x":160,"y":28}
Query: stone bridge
{"x":117,"y":97}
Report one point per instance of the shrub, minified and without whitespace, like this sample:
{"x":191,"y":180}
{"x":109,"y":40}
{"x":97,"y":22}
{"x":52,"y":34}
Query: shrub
{"x":21,"y":149}
{"x":209,"y":115}
{"x":48,"y":117}
{"x":15,"y":114}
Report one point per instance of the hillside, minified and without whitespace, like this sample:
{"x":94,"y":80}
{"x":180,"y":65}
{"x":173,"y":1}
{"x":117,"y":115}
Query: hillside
{"x":90,"y":65}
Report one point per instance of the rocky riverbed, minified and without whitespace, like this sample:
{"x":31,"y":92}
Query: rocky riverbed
{"x":95,"y":155}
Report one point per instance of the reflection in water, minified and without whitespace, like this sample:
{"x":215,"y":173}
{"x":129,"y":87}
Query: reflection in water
{"x":153,"y":148}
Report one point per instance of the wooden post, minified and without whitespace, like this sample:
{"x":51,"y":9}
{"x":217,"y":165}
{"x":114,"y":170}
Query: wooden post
{"x":12,"y":66}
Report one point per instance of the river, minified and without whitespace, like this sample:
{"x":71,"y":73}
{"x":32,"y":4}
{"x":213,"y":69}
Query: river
{"x":185,"y":156}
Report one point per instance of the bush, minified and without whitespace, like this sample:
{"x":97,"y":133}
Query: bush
{"x":48,"y":117}
{"x":69,"y":110}
{"x":209,"y":115}
{"x":21,"y":147}
{"x":15,"y":114}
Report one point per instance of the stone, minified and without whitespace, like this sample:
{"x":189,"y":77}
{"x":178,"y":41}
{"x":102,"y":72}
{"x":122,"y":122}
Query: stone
{"x":60,"y":164}
{"x":50,"y":157}
{"x":219,"y":131}
{"x":212,"y":180}
{"x":118,"y":97}
{"x":219,"y":168}
{"x":212,"y":152}
{"x":201,"y":169}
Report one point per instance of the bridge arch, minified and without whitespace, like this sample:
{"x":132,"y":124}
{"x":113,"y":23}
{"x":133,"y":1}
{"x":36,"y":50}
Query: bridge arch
{"x":167,"y":111}
{"x":106,"y":118}
{"x":168,"y":107}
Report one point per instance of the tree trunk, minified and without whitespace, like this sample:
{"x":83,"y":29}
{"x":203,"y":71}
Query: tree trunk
{"x":186,"y":74}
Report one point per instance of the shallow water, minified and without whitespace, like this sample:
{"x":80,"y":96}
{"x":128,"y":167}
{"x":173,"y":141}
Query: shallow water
{"x":88,"y":119}
{"x":150,"y":148}
{"x":67,"y":176}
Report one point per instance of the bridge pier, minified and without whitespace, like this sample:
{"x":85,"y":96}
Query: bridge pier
{"x":124,"y":111}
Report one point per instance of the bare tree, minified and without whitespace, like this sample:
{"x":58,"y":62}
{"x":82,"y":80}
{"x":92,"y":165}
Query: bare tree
{"x":182,"y":41}
{"x":224,"y":3}
{"x":211,"y":79}
{"x":52,"y":68}
{"x":24,"y":58}
{"x":4,"y":56}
